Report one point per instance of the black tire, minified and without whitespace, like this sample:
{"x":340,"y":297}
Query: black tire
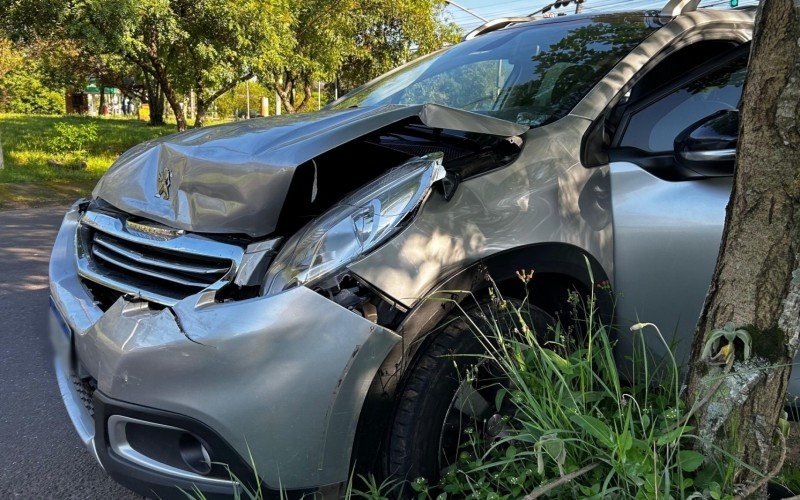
{"x":413,"y":446}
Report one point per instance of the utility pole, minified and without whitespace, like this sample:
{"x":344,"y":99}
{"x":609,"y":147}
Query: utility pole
{"x":247,"y":91}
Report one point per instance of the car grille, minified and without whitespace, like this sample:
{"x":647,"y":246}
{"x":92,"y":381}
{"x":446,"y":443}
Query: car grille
{"x":160,"y":269}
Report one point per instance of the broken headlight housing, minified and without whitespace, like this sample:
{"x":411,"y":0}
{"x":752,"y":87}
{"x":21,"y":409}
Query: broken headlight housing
{"x":355,"y":226}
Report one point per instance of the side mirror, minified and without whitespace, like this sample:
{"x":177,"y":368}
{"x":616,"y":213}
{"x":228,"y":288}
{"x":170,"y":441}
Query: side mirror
{"x":708,"y":147}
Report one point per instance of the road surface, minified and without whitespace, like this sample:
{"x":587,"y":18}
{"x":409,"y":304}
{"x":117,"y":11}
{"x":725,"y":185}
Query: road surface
{"x":40,"y":454}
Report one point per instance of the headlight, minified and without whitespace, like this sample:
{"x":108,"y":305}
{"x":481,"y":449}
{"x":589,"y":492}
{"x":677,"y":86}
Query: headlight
{"x":354,"y":226}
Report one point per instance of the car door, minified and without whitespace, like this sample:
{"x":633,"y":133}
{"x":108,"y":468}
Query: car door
{"x":668,"y":221}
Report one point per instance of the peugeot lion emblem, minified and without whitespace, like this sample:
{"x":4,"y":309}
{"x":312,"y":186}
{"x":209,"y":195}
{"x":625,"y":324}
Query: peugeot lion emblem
{"x":163,"y":183}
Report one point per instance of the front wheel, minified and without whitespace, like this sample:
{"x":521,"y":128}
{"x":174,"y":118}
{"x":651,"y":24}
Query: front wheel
{"x":439,"y":402}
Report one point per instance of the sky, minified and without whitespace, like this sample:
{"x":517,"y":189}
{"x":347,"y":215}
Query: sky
{"x":492,"y":9}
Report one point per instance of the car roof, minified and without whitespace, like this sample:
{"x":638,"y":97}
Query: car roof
{"x":652,"y":17}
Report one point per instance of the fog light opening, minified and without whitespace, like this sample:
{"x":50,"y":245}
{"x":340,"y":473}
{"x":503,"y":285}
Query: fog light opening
{"x":195,"y":454}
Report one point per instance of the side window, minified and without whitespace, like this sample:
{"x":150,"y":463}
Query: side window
{"x":653,"y":125}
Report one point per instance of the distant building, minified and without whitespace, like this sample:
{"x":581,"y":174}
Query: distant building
{"x":87,"y":101}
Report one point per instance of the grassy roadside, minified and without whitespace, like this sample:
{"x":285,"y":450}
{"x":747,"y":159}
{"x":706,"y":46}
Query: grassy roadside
{"x":29,"y":142}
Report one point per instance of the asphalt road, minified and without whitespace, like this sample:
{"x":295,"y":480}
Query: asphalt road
{"x":40,"y":454}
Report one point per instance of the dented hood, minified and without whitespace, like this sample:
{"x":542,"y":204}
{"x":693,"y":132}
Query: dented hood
{"x":233,"y":178}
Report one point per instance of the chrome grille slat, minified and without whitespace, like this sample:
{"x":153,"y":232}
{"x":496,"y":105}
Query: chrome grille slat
{"x":164,"y":270}
{"x":99,"y":239}
{"x":141,"y":270}
{"x":89,"y":271}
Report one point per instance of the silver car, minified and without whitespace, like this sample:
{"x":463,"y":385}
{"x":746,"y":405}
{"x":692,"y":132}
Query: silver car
{"x":254,"y":296}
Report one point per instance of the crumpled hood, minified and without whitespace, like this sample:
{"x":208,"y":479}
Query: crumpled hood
{"x":233,"y":178}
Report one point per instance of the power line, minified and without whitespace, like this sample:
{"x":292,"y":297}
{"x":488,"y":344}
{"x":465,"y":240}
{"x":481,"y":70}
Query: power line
{"x":524,"y":7}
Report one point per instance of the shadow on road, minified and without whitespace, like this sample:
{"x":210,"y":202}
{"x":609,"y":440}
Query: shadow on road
{"x":41,"y":454}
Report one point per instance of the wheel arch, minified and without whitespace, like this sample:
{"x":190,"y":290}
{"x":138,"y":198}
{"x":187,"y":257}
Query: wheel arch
{"x":557,"y":268}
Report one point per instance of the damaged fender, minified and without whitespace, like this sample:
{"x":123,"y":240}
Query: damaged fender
{"x":312,"y":360}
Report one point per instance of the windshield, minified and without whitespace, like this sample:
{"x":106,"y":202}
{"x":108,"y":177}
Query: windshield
{"x":530,"y":74}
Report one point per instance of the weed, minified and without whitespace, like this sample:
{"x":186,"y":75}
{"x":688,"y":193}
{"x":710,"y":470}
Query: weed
{"x":574,"y":426}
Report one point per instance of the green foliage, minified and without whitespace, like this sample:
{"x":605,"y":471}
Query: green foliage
{"x":391,"y":32}
{"x":22,"y":89}
{"x":30,"y":141}
{"x":790,"y":477}
{"x":234,"y":102}
{"x":23,"y":92}
{"x":567,"y":414}
{"x":354,"y":40}
{"x":73,"y":138}
{"x":567,"y":407}
{"x":209,"y":46}
{"x":730,"y":334}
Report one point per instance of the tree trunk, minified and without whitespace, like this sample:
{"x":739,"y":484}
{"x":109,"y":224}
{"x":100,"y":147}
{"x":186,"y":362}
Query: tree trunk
{"x":200,"y":113}
{"x":284,"y":93}
{"x":158,"y":67}
{"x":156,"y":101}
{"x":756,"y":284}
{"x":175,"y":105}
{"x":308,"y":97}
{"x":101,"y":111}
{"x":204,"y":100}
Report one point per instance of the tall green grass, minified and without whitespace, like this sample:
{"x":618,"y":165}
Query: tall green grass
{"x":575,"y":427}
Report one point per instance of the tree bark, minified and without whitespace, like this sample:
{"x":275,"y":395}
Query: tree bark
{"x":756,"y":284}
{"x":308,"y":97}
{"x":156,"y":101}
{"x":284,"y":92}
{"x":101,"y":111}
{"x":200,"y":114}
{"x":174,"y":103}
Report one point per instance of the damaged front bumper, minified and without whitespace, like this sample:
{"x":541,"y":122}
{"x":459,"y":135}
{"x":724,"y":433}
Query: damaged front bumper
{"x":280,"y":379}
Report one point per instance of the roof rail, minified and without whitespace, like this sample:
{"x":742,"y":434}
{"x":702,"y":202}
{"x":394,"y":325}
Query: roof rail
{"x":678,"y":7}
{"x":496,"y":24}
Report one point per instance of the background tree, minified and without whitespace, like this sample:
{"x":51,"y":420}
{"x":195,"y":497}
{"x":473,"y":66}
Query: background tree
{"x":10,"y":56}
{"x":355,"y":40}
{"x":24,"y":84}
{"x":756,"y":285}
{"x":391,"y":33}
{"x":207,"y":46}
{"x":230,"y":42}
